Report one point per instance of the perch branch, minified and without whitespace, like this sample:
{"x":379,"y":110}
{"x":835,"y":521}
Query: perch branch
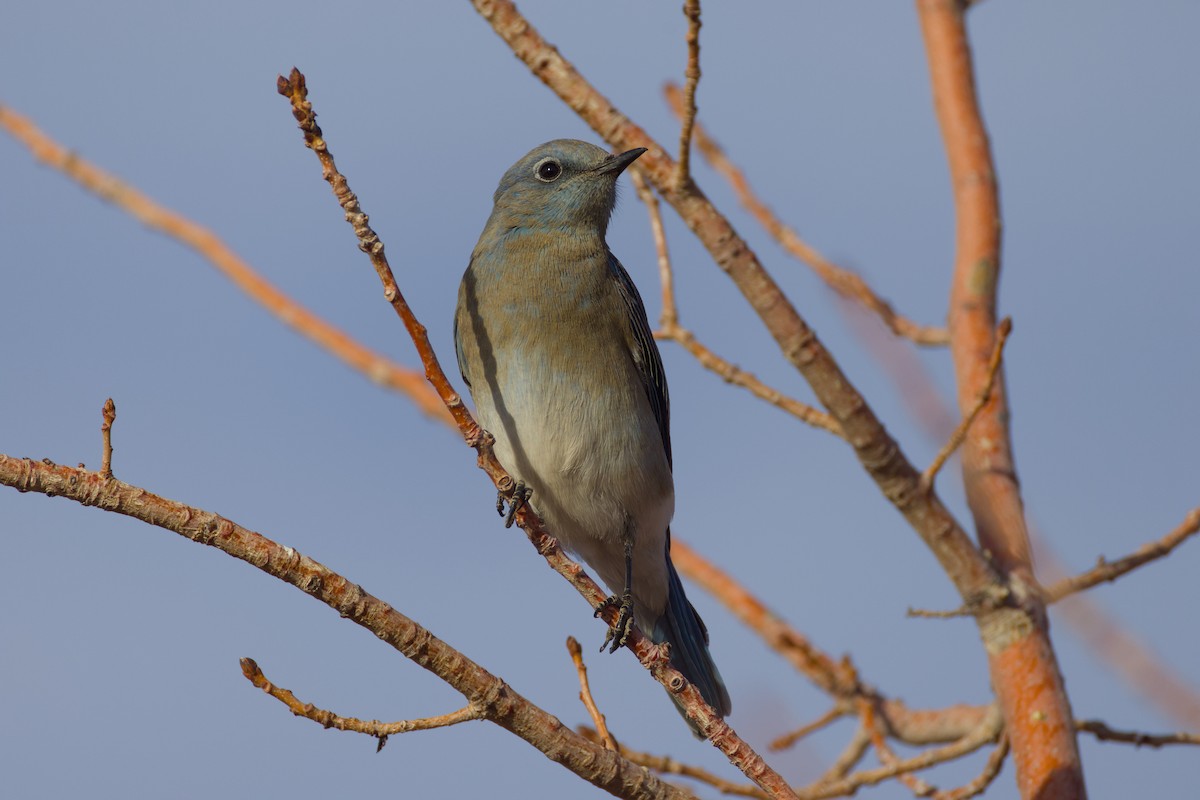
{"x":499,"y":703}
{"x":652,"y":657}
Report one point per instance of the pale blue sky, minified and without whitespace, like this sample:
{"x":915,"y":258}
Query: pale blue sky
{"x":119,"y":666}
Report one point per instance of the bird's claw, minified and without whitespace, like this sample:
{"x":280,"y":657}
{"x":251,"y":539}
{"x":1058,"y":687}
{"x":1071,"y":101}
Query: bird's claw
{"x":618,"y":634}
{"x":520,"y":496}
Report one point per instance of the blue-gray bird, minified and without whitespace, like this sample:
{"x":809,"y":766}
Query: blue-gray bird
{"x":554,"y":344}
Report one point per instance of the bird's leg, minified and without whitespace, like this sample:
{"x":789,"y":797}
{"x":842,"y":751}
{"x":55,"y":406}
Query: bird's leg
{"x":619,"y":632}
{"x":520,"y":496}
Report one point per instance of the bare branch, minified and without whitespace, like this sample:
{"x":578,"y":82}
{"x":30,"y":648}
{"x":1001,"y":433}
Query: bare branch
{"x":829,"y":717}
{"x":849,"y":758}
{"x":498,"y":702}
{"x":373,"y":728}
{"x":845,"y":282}
{"x":585,"y":696}
{"x":991,"y":768}
{"x":206,"y":244}
{"x":837,"y":679}
{"x":960,"y":432}
{"x":1111,"y":570}
{"x":988,"y":730}
{"x":669,"y":328}
{"x":1112,"y":641}
{"x":669,"y":766}
{"x":691,"y":9}
{"x":1107,"y":734}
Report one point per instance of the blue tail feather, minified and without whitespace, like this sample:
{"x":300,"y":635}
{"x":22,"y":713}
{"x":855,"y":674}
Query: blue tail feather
{"x":681,"y":627}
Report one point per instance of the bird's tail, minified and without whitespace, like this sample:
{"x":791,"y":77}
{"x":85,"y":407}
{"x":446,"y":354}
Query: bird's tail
{"x":681,"y":627}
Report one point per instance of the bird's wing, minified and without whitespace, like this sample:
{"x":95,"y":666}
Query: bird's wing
{"x":458,"y":351}
{"x":645,"y":351}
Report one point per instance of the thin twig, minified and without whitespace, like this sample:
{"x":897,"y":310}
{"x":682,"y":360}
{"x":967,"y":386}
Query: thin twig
{"x":669,"y":328}
{"x":669,"y":766}
{"x":1106,"y":734}
{"x":960,"y":432}
{"x":109,"y":413}
{"x":819,"y":667}
{"x":691,"y":9}
{"x":991,"y":768}
{"x":1111,"y":570}
{"x":843,"y":281}
{"x":585,"y":695}
{"x":829,"y":717}
{"x":669,"y":316}
{"x":838,"y":680}
{"x":923,"y":613}
{"x":848,"y":759}
{"x":204,"y":242}
{"x":373,"y":728}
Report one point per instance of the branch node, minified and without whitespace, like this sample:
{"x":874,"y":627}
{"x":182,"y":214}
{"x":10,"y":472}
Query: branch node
{"x":109,"y":412}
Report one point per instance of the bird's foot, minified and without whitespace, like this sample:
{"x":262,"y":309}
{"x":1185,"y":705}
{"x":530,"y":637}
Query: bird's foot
{"x":520,"y":496}
{"x":618,"y":634}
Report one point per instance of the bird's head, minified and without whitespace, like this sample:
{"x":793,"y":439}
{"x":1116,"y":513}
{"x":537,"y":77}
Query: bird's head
{"x":563,"y":184}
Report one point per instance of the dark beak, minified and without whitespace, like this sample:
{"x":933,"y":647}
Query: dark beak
{"x":617,"y":163}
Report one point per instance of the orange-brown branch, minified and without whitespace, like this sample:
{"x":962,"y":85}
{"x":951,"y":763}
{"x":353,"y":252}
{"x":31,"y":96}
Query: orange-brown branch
{"x":206,"y":243}
{"x":374,"y":728}
{"x":585,"y":695}
{"x":1022,"y":662}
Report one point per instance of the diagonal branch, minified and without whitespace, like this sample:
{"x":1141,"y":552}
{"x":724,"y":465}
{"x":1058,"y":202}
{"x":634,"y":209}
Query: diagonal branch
{"x":960,"y":433}
{"x":1111,"y":570}
{"x":669,"y":328}
{"x":204,"y":242}
{"x":585,"y":696}
{"x":845,"y":282}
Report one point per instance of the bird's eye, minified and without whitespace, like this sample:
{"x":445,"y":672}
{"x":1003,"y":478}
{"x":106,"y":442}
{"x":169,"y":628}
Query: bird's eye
{"x":547,"y":170}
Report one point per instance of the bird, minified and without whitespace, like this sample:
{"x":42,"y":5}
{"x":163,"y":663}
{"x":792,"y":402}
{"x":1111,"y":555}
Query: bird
{"x":555,"y":347}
